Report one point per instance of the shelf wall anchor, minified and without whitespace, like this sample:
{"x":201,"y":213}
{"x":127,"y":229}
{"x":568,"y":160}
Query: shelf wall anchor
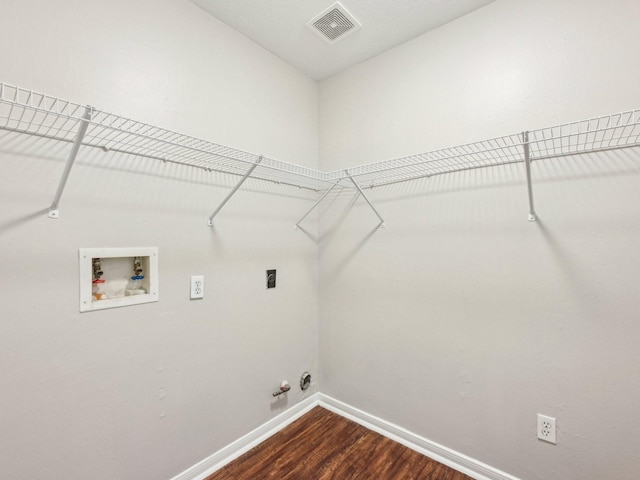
{"x":77,"y":143}
{"x":315,"y":205}
{"x":527,"y":162}
{"x":235,"y":189}
{"x":382,"y":224}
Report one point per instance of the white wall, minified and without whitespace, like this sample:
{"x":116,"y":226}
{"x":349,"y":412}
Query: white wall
{"x":461,"y":320}
{"x":478,"y":318}
{"x":147,"y":391}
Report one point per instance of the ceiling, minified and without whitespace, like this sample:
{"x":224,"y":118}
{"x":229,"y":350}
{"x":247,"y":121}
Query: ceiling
{"x":280,"y":27}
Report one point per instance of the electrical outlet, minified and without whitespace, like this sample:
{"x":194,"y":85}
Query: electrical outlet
{"x":547,"y":428}
{"x":197,"y":286}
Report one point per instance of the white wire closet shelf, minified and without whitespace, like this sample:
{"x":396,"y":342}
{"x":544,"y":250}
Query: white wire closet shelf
{"x":27,"y":112}
{"x":608,"y":132}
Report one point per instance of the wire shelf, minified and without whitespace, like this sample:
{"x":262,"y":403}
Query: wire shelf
{"x":29,"y":112}
{"x":609,"y":132}
{"x":487,"y":153}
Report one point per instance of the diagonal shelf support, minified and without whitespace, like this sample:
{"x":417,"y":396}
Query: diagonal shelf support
{"x":315,"y":205}
{"x":235,"y":189}
{"x":77,"y":143}
{"x":382,"y":224}
{"x":527,"y":162}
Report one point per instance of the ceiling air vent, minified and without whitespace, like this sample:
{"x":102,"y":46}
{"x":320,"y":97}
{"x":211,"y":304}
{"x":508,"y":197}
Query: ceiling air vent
{"x":333,"y":23}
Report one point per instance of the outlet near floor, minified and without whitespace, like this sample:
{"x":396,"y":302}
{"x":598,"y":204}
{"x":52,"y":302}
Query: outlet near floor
{"x":547,"y":428}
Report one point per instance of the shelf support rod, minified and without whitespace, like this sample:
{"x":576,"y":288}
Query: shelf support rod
{"x":527,"y":162}
{"x":77,"y":143}
{"x":315,"y":205}
{"x":382,"y":224}
{"x":235,"y":189}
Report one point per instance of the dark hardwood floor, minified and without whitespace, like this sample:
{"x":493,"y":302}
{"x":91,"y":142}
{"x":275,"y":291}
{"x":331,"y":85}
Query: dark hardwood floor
{"x":322,"y":445}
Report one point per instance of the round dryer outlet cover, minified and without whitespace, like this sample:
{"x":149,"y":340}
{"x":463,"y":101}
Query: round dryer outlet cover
{"x":305,"y":380}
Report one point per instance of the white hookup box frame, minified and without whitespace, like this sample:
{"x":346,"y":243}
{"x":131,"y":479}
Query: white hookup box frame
{"x":117,"y":265}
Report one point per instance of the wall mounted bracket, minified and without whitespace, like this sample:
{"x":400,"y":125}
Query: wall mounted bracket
{"x":235,"y":189}
{"x":382,"y":224}
{"x":77,"y":143}
{"x":324,"y":195}
{"x":527,"y":163}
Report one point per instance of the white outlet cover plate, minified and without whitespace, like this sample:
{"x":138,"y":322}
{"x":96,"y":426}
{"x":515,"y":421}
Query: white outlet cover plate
{"x":547,"y":428}
{"x":197,"y":286}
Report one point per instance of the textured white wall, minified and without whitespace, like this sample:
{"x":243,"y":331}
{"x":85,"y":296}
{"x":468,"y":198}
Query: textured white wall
{"x":147,"y":391}
{"x":461,"y":320}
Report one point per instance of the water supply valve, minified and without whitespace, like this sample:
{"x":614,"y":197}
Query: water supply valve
{"x":284,"y":388}
{"x":134,"y":286}
{"x":96,"y":293}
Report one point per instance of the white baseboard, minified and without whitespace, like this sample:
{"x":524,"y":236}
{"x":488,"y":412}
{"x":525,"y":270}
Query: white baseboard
{"x":206,"y":467}
{"x":467,"y":465}
{"x":451,"y":458}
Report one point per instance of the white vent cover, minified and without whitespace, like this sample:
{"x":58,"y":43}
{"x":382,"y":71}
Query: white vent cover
{"x":333,"y":23}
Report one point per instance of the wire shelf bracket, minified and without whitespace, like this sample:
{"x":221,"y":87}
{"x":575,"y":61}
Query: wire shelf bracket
{"x":382,"y":223}
{"x":235,"y":189}
{"x":527,"y":162}
{"x":77,"y":143}
{"x":315,"y":205}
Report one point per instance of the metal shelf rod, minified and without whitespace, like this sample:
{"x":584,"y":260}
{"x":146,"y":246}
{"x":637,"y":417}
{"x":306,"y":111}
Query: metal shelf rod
{"x":435,"y":174}
{"x":84,"y":123}
{"x":162,"y":159}
{"x":582,"y":152}
{"x":235,"y":189}
{"x":443,"y":155}
{"x":123,"y":132}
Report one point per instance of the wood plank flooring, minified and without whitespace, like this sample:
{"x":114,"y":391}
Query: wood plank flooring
{"x":322,"y":445}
